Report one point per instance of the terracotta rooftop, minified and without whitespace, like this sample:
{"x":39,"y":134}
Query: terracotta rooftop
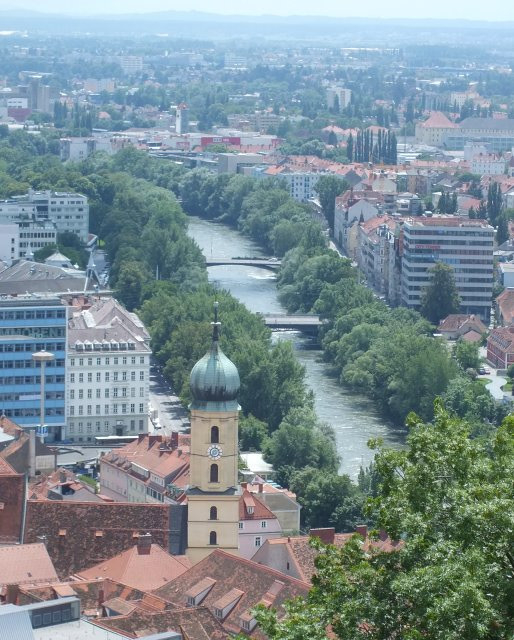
{"x":459,"y":321}
{"x":25,"y":564}
{"x":503,"y":337}
{"x":437,"y":120}
{"x":298,"y":551}
{"x":140,"y":568}
{"x":194,"y":623}
{"x":259,"y":511}
{"x":71,"y":529}
{"x":63,"y":483}
{"x":233,"y":574}
{"x":505,"y":302}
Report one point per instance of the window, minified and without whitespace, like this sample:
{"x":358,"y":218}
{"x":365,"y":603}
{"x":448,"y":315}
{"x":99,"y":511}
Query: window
{"x":124,"y":360}
{"x":215,"y":435}
{"x":98,"y":376}
{"x":124,"y":376}
{"x":98,"y":393}
{"x":81,"y":394}
{"x":90,"y":361}
{"x":107,"y":393}
{"x":72,"y":377}
{"x":213,"y":537}
{"x":213,"y":513}
{"x":264,"y":524}
{"x":90,"y":393}
{"x":133,"y":375}
{"x":241,"y":525}
{"x":90,"y":377}
{"x":81,"y":377}
{"x":141,"y":408}
{"x":141,"y":375}
{"x":214,"y":473}
{"x":98,"y":362}
{"x":72,"y":394}
{"x":132,"y":408}
{"x":257,"y":541}
{"x":133,"y":360}
{"x":106,"y":376}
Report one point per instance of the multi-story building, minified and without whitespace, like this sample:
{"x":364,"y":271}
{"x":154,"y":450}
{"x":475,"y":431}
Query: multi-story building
{"x":152,"y":469}
{"x":338,"y":94}
{"x":108,"y":372}
{"x":9,"y":242}
{"x":130,"y":64}
{"x":496,"y":133}
{"x":182,"y":119}
{"x":35,"y":235}
{"x":68,"y":211}
{"x":300,"y":183}
{"x":28,"y":325}
{"x":488,"y":164}
{"x":466,"y":245}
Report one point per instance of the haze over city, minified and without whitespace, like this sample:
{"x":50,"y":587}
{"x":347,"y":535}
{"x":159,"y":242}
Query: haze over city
{"x":495,"y":10}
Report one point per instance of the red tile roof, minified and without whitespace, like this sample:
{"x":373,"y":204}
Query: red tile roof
{"x":140,"y":569}
{"x":437,"y":120}
{"x":26,"y":564}
{"x":80,"y":547}
{"x":195,"y":623}
{"x":259,"y":510}
{"x":299,"y":551}
{"x":505,"y":302}
{"x":233,"y":573}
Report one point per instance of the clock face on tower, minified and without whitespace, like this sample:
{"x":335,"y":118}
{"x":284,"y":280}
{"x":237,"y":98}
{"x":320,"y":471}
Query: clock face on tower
{"x":214,"y":452}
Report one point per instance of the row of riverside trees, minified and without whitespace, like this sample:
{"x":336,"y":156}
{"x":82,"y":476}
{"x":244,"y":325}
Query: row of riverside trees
{"x":381,"y":149}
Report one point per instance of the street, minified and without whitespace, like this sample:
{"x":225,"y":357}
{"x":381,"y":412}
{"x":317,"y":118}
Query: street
{"x":171,"y":414}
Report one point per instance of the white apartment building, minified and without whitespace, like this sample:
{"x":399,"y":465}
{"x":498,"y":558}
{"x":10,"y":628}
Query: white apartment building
{"x":35,"y":235}
{"x":131,"y":64}
{"x":466,"y":245}
{"x":488,"y":165}
{"x":108,"y":370}
{"x":300,"y":184}
{"x":9,"y":242}
{"x":343,"y":95}
{"x":68,"y":211}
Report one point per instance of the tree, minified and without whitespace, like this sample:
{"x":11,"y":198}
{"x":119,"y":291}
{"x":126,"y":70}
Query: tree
{"x":502,"y":230}
{"x":328,"y":187}
{"x":332,"y":139}
{"x":449,"y":498}
{"x":349,"y":148}
{"x":327,"y":499}
{"x":129,"y":286}
{"x":252,"y":433}
{"x":466,"y":354}
{"x":441,"y":297}
{"x":494,"y":202}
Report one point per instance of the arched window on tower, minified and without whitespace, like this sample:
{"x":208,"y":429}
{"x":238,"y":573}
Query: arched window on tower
{"x":213,"y":538}
{"x":214,"y":473}
{"x":215,"y":435}
{"x":213,"y":514}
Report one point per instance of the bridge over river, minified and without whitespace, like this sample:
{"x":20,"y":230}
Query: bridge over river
{"x":309,"y":323}
{"x":265,"y":263}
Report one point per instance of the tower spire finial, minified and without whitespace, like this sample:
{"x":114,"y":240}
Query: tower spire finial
{"x":216,"y":324}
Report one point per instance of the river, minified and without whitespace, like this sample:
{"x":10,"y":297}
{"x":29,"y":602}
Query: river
{"x":354,"y":418}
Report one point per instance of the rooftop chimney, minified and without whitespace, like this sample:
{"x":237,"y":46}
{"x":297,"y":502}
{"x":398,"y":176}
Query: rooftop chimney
{"x":62,"y":476}
{"x":174,"y":439}
{"x":326,"y":535}
{"x":144,"y":543}
{"x":362,"y":529}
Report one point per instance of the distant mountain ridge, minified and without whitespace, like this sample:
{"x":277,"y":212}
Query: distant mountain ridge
{"x":203,"y":17}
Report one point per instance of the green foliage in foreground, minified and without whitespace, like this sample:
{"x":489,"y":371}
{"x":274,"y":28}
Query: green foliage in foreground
{"x":450,"y":499}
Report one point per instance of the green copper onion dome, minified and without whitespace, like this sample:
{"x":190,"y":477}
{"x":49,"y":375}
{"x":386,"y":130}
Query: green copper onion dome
{"x":214,"y":379}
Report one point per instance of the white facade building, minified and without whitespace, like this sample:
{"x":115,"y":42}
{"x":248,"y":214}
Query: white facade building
{"x":68,"y":211}
{"x":108,"y":369}
{"x":488,"y":165}
{"x":344,"y":96}
{"x":9,"y":242}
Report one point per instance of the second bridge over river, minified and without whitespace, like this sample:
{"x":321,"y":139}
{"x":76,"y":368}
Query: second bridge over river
{"x":307,"y":323}
{"x":265,"y":263}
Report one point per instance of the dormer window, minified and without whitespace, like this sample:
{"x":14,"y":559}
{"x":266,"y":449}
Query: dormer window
{"x":250,"y":510}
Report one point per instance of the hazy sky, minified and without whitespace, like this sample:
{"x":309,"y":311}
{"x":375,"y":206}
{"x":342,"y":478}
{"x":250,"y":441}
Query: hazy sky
{"x":470,"y":9}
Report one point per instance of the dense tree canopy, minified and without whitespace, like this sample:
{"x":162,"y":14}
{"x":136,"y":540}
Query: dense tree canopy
{"x":440,"y":298}
{"x":449,"y":499}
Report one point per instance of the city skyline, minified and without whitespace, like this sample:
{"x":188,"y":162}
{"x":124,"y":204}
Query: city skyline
{"x":397,"y":9}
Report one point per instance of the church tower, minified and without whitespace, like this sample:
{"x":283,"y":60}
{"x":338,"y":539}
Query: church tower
{"x":213,"y":495}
